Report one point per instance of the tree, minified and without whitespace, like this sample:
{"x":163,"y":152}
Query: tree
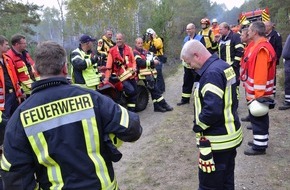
{"x":18,"y":18}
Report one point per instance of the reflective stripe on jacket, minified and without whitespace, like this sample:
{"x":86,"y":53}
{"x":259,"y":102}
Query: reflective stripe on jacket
{"x":59,"y":140}
{"x":83,"y":71}
{"x":216,"y":103}
{"x":259,"y":67}
{"x":144,"y":66}
{"x":118,"y":64}
{"x":24,"y":71}
{"x":12,"y":74}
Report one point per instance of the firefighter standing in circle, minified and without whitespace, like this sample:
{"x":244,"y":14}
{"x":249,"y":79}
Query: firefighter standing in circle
{"x":217,"y":126}
{"x":84,"y":70}
{"x":121,"y":62}
{"x":189,"y":76}
{"x":258,"y":73}
{"x":148,"y":66}
{"x":24,"y":65}
{"x":209,"y":38}
{"x":10,"y":91}
{"x":104,"y":45}
{"x":58,"y":139}
{"x":154,"y":44}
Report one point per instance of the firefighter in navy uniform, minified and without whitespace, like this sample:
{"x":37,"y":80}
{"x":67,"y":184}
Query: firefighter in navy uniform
{"x":84,"y":70}
{"x":216,"y":123}
{"x":56,"y":137}
{"x":230,"y":48}
{"x":148,"y":66}
{"x":189,"y":76}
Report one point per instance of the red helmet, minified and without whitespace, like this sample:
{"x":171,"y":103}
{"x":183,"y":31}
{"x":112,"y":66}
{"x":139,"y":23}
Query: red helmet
{"x":205,"y":21}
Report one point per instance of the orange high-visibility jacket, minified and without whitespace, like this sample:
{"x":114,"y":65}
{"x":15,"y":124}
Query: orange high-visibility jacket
{"x":118,"y":64}
{"x":260,"y":67}
{"x":12,"y":74}
{"x":24,"y":71}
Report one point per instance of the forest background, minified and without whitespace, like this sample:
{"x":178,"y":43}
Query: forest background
{"x":71,"y":18}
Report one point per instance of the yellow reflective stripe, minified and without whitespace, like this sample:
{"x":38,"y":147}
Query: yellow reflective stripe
{"x":197,"y":105}
{"x":124,"y":117}
{"x":185,"y":95}
{"x":92,"y":139}
{"x":5,"y":164}
{"x":158,"y":100}
{"x":223,"y":142}
{"x":237,"y":58}
{"x":131,"y":105}
{"x":239,"y":46}
{"x":228,"y":115}
{"x":212,"y":88}
{"x":22,"y":69}
{"x":228,"y":53}
{"x":40,"y":148}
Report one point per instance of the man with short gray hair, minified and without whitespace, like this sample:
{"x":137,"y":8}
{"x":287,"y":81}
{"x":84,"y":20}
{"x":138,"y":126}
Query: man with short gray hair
{"x":60,"y":137}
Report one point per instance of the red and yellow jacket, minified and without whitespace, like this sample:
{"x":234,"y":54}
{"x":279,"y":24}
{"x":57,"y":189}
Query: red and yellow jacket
{"x":12,"y":74}
{"x":25,"y":73}
{"x":118,"y":64}
{"x":258,"y":69}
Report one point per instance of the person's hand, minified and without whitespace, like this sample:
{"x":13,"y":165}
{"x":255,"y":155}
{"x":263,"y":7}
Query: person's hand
{"x":205,"y":162}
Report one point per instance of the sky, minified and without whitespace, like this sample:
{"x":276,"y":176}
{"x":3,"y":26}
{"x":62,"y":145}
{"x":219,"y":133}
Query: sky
{"x":50,"y":3}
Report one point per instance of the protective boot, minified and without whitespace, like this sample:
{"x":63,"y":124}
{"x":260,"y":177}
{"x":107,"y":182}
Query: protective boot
{"x":166,"y":106}
{"x":158,"y":107}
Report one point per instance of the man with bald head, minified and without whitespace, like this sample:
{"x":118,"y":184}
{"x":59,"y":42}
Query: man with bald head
{"x":121,"y":62}
{"x":189,"y":76}
{"x":216,"y":123}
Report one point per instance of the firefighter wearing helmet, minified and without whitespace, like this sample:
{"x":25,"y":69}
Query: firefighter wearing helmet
{"x":207,"y":33}
{"x":215,"y":27}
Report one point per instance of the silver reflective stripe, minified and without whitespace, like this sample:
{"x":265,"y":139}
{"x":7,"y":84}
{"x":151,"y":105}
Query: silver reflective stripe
{"x":58,"y":122}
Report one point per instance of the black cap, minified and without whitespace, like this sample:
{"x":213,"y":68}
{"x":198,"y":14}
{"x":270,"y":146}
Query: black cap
{"x":85,"y":38}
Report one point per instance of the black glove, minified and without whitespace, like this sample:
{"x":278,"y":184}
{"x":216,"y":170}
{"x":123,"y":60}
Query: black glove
{"x":144,"y":37}
{"x":94,"y":59}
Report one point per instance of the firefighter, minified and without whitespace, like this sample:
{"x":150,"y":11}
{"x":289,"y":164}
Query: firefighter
{"x":259,"y":68}
{"x":230,"y":48}
{"x":84,"y":71}
{"x":58,"y":134}
{"x":10,"y":92}
{"x":275,"y":40}
{"x":209,"y":38}
{"x":215,"y":28}
{"x":147,"y":73}
{"x":104,"y":45}
{"x":24,"y":64}
{"x":122,"y":63}
{"x":286,"y":57}
{"x":189,"y":76}
{"x":217,"y":126}
{"x":154,"y":44}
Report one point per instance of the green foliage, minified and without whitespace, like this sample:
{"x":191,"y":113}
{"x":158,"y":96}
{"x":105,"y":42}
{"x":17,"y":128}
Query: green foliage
{"x":18,"y":18}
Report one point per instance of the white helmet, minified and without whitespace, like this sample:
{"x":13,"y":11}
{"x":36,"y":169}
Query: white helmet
{"x":150,"y":31}
{"x":214,"y":20}
{"x":258,"y":109}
